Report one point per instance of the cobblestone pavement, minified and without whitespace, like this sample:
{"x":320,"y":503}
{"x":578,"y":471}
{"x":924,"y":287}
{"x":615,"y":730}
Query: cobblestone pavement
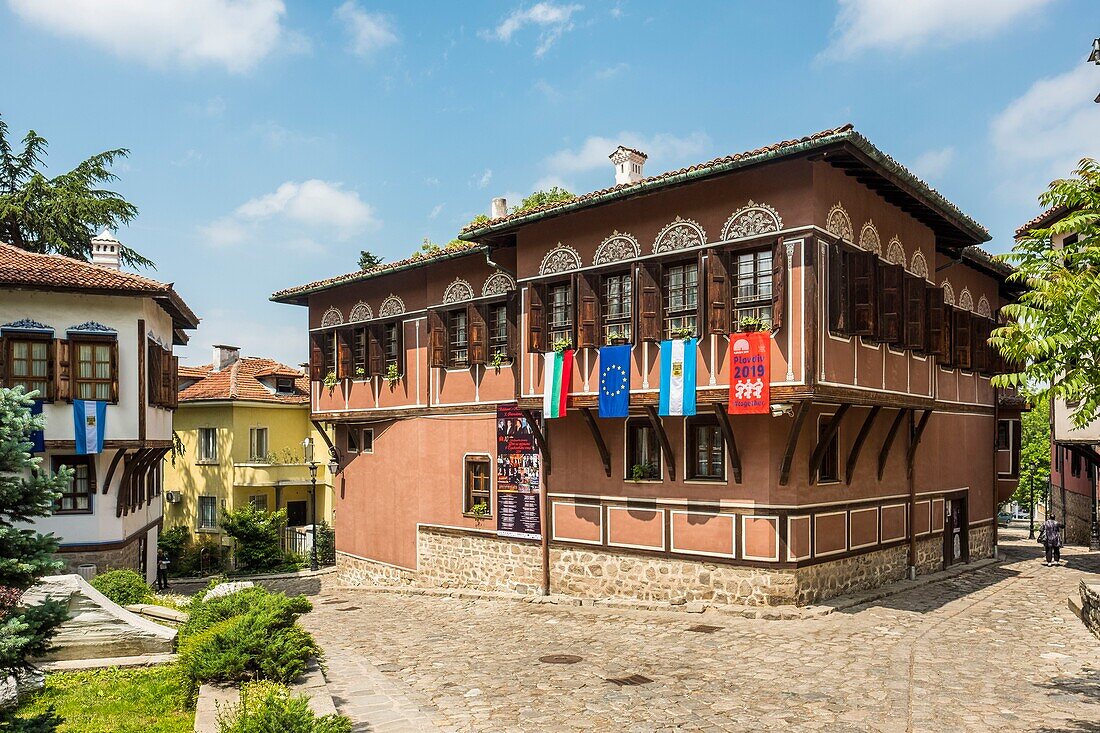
{"x":992,"y":650}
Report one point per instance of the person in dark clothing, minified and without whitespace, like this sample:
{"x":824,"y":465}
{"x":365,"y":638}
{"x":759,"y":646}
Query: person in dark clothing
{"x":162,"y":570}
{"x":1051,"y":537}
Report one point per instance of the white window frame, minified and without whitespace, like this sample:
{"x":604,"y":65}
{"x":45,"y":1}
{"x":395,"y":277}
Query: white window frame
{"x":199,"y":518}
{"x":492,"y":482}
{"x":253,"y":434}
{"x":363,"y":442}
{"x":202,"y":456}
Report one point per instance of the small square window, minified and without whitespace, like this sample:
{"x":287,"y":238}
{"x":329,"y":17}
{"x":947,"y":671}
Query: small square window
{"x":643,"y":460}
{"x":706,"y":450}
{"x":208,"y":512}
{"x":478,"y":485}
{"x":366,"y":443}
{"x":830,"y":462}
{"x":456,"y":327}
{"x":76,"y":498}
{"x":208,"y":445}
{"x":284,"y":385}
{"x":257,"y":441}
{"x":258,"y":501}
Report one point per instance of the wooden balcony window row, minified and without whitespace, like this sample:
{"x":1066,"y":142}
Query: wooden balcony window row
{"x":473,"y":334}
{"x":61,"y":369}
{"x":881,"y":302}
{"x":356,"y":352}
{"x":708,"y":293}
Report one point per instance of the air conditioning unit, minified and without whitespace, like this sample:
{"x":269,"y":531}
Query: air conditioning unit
{"x":172,"y":497}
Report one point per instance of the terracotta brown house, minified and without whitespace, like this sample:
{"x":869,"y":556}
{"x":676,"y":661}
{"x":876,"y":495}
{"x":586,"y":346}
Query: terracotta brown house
{"x":878,"y":458}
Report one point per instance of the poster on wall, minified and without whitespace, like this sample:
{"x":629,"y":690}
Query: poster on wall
{"x":518,"y":475}
{"x":750,"y":373}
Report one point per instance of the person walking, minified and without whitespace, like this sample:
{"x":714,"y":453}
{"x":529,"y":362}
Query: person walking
{"x":162,"y":570}
{"x":1051,"y":537}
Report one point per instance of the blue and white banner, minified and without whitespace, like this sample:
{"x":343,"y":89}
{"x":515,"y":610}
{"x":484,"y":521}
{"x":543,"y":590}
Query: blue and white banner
{"x":90,"y":425}
{"x":615,"y":381}
{"x":678,"y":377}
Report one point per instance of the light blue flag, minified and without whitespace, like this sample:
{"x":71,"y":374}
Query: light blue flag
{"x":677,"y":377}
{"x":90,"y":425}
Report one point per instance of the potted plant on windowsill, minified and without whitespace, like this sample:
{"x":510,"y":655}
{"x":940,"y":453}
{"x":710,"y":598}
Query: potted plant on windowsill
{"x":682,"y":333}
{"x":360,"y":373}
{"x":330,"y":380}
{"x":561,"y":344}
{"x":479,"y":511}
{"x":617,"y":338}
{"x":496,"y":361}
{"x":751,"y":324}
{"x":392,"y":375}
{"x":642,"y":472}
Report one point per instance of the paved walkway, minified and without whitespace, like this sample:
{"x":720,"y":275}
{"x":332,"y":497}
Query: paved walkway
{"x":995,"y":649}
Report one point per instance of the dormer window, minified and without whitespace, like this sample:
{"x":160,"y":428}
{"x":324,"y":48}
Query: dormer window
{"x":284,"y":385}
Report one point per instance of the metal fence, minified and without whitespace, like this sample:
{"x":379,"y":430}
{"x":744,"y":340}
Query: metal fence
{"x":299,"y":541}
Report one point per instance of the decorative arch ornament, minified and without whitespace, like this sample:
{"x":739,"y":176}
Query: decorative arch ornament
{"x":752,"y":219}
{"x":616,"y":248}
{"x":679,"y":234}
{"x":948,"y":292}
{"x":361,"y":312}
{"x":498,"y":283}
{"x":839,"y":224}
{"x":562,"y":258}
{"x":391,"y":306}
{"x":869,"y":239}
{"x":332,"y":317}
{"x":97,"y":327}
{"x":966,"y":300}
{"x":983,"y":308}
{"x":895,"y":252}
{"x":919,"y":266}
{"x":458,"y":291}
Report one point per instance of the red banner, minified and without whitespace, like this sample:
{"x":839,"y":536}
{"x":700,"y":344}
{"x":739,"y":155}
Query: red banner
{"x":750,"y":373}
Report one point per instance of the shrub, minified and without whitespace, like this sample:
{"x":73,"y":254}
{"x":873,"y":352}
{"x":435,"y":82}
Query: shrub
{"x":174,"y":541}
{"x":257,"y":534}
{"x":268,"y":707}
{"x":123,"y":587}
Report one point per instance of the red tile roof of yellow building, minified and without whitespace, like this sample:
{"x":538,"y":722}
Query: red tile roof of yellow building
{"x":240,"y":381}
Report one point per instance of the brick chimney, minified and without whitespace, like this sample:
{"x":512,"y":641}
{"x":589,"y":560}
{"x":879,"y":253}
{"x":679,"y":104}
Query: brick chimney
{"x":225,"y":356}
{"x":105,"y":250}
{"x":628,"y":165}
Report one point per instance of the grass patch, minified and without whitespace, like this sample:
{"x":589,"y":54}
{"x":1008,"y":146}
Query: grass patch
{"x":136,"y":700}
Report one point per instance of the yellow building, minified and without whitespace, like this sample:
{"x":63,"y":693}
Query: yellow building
{"x":242,"y":422}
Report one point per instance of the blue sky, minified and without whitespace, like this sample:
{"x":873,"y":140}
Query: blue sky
{"x":272,"y":141}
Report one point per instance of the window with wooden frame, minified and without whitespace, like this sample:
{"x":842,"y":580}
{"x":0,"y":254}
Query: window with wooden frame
{"x":863,"y":293}
{"x":830,"y":462}
{"x":752,"y":272}
{"x":457,"y":323}
{"x":681,"y":291}
{"x":391,"y":344}
{"x":617,"y":306}
{"x":162,"y":376}
{"x":478,"y":485}
{"x":643,"y":451}
{"x":706,"y":448}
{"x":916,"y":312}
{"x":76,"y":498}
{"x":94,"y":369}
{"x":499,"y":350}
{"x":328,"y":341}
{"x":891,"y":304}
{"x":1004,"y":433}
{"x":837,"y":296}
{"x":961,"y":338}
{"x":559,"y":299}
{"x":284,"y":385}
{"x":30,"y":360}
{"x":257,"y":444}
{"x":359,"y":352}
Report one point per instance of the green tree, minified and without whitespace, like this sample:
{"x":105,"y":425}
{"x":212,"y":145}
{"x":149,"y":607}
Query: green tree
{"x":368,"y":259}
{"x":60,"y":214}
{"x":1034,"y":455}
{"x":25,"y":555}
{"x":257,"y":535}
{"x":1053,"y":334}
{"x":541,"y":198}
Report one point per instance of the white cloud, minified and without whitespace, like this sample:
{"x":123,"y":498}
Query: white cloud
{"x":932,"y":164}
{"x":1042,"y":134}
{"x":225,"y":232}
{"x":436,"y":211}
{"x":612,"y":71}
{"x":662,"y":149}
{"x":278,"y":136}
{"x":235,"y":34}
{"x":485,"y":178}
{"x":902,"y":26}
{"x":553,"y":20}
{"x":313,"y":202}
{"x":370,"y":32}
{"x":548,"y":90}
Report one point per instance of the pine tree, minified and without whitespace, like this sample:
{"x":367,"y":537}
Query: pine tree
{"x":26,"y":492}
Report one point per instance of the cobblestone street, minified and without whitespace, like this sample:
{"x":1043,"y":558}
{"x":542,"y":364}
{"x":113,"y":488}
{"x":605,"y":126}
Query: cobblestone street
{"x":995,"y":649}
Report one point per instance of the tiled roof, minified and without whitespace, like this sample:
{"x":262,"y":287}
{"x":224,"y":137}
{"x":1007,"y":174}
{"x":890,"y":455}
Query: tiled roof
{"x":1045,"y":219}
{"x":240,"y":381}
{"x":980,"y":257}
{"x":845,"y":133}
{"x":455,"y":250}
{"x":19,"y":268}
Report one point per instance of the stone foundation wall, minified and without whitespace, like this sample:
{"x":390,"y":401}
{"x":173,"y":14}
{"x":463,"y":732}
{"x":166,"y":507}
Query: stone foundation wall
{"x":123,"y":558}
{"x":447,"y":559}
{"x":1076,"y":515}
{"x":1090,"y":606}
{"x":353,"y":571}
{"x":981,"y":542}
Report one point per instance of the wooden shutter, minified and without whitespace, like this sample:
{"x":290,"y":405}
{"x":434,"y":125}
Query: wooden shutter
{"x":165,"y":377}
{"x":174,"y":382}
{"x":961,"y":341}
{"x":51,"y":368}
{"x":535,"y":296}
{"x":114,"y":372}
{"x":376,"y":357}
{"x":152,"y":373}
{"x":588,"y":311}
{"x":934,"y":335}
{"x":345,"y":368}
{"x":979,"y":333}
{"x":648,"y":282}
{"x":717,"y":293}
{"x":839,"y":316}
{"x":779,"y":283}
{"x":512,"y":310}
{"x":891,"y":308}
{"x":477,"y":334}
{"x":915,"y":312}
{"x":437,"y":339}
{"x":862,"y":292}
{"x":316,"y":357}
{"x":63,"y":386}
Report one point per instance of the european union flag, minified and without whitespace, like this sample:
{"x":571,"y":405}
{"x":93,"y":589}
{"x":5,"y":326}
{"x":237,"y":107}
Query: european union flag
{"x":615,"y":381}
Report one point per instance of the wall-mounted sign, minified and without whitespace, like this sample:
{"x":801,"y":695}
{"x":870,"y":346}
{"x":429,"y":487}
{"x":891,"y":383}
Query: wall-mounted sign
{"x":518,"y":476}
{"x":750,"y":373}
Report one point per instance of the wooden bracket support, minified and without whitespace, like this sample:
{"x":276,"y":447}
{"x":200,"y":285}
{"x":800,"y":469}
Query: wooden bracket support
{"x":823,"y":441}
{"x":731,"y":443}
{"x":328,"y":441}
{"x":540,"y":439}
{"x":792,"y":441}
{"x":111,"y":469}
{"x":857,"y":446}
{"x":662,"y":436}
{"x":884,"y":453}
{"x":914,"y":441}
{"x":597,"y":436}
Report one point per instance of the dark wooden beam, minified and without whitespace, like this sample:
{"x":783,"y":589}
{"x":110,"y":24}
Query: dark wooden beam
{"x":111,"y":469}
{"x":662,"y":436}
{"x":324,"y":436}
{"x":886,"y":444}
{"x":857,"y":446}
{"x":597,"y":436}
{"x":731,"y":442}
{"x":133,"y":462}
{"x":823,"y":442}
{"x":914,"y":441}
{"x":540,"y":439}
{"x":1087,"y":454}
{"x":792,"y":441}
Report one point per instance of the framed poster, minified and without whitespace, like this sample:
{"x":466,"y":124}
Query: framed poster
{"x":518,"y":476}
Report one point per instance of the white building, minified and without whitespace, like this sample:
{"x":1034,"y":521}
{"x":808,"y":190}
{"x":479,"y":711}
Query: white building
{"x":87,"y":331}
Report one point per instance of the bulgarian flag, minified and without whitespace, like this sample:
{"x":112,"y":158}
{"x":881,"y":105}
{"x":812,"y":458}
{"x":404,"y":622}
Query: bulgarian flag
{"x":556,"y":378}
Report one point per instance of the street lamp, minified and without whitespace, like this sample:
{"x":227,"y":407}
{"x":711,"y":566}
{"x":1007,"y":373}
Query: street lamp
{"x":307,"y":453}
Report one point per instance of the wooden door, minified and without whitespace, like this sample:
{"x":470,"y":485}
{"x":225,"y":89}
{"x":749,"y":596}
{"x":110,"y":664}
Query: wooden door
{"x":956,"y":539}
